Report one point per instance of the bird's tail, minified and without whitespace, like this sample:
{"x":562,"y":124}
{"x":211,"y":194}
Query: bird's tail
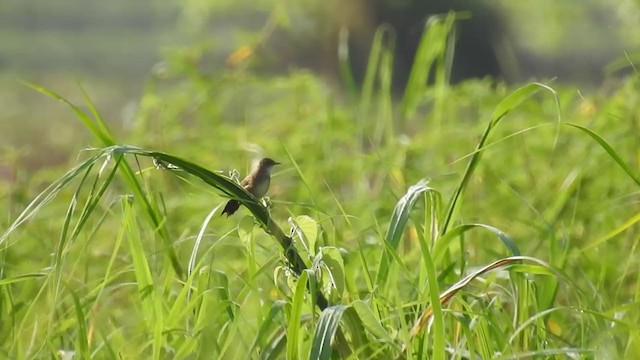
{"x":231,"y":207}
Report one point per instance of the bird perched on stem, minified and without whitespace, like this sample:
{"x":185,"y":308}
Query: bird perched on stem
{"x":257,"y":183}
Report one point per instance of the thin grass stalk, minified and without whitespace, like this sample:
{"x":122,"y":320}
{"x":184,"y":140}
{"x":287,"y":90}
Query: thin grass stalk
{"x":438,"y":333}
{"x":504,"y":107}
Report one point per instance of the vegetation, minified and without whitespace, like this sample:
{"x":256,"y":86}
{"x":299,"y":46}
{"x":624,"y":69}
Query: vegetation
{"x":467,"y":221}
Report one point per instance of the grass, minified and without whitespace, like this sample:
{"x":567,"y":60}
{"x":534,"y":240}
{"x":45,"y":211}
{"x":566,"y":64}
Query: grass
{"x":466,"y":221}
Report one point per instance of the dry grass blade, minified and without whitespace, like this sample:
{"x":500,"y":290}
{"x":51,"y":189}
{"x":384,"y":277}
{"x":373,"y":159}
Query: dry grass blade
{"x":453,"y":290}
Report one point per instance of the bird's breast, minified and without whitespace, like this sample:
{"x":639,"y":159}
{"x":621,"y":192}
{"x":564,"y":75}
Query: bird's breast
{"x":260,"y":187}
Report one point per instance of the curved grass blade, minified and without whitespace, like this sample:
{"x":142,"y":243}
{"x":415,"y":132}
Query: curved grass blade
{"x":567,"y":352}
{"x":509,"y":103}
{"x":371,"y":322}
{"x":455,"y":288}
{"x":276,"y":308}
{"x":613,"y":233}
{"x":443,"y":243}
{"x":398,"y":222}
{"x":325,"y":331}
{"x":199,"y":237}
{"x":23,"y":277}
{"x":275,"y":346}
{"x":502,"y":140}
{"x":357,"y":336}
{"x":100,"y":130}
{"x":532,"y":320}
{"x":50,"y":192}
{"x":610,"y":150}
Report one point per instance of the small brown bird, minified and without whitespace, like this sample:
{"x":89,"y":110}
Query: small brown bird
{"x":257,"y":183}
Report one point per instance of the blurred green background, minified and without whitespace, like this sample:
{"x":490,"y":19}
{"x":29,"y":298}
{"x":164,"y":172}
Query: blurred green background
{"x":118,"y":48}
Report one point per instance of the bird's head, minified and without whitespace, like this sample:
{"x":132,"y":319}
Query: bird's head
{"x":267,"y":164}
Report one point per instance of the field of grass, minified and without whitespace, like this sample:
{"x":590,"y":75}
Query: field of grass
{"x":471,"y":221}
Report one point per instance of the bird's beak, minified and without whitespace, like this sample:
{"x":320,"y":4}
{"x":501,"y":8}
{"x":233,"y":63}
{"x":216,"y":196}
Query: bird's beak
{"x":277,"y":163}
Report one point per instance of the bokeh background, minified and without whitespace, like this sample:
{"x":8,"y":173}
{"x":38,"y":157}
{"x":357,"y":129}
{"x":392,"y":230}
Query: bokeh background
{"x":117,"y":49}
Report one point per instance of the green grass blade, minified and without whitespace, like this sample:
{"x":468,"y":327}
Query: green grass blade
{"x":455,"y":288}
{"x":196,"y":245}
{"x":610,"y":150}
{"x":20,"y":278}
{"x":142,"y":271}
{"x":293,"y":161}
{"x":49,"y":193}
{"x":399,"y":220}
{"x":613,"y":233}
{"x":443,"y":243}
{"x":99,"y":129}
{"x":86,"y":120}
{"x":358,"y":342}
{"x":325,"y":332}
{"x":93,"y":198}
{"x":370,"y":322}
{"x":509,"y":103}
{"x":293,"y":329}
{"x":432,"y":46}
{"x":275,"y":311}
{"x":222,"y":288}
{"x":332,"y":262}
{"x":372,"y":69}
{"x":82,"y":341}
{"x":438,"y":329}
{"x":344,"y":63}
{"x":275,"y":346}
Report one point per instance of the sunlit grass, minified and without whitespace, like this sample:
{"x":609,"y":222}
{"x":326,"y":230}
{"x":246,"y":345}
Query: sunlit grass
{"x":467,"y":221}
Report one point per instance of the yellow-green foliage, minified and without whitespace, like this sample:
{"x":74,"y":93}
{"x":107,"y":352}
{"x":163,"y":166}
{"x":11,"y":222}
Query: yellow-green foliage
{"x":119,"y":259}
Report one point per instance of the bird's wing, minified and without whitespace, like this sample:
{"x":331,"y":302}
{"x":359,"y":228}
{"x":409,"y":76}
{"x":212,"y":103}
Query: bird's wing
{"x":245,"y":182}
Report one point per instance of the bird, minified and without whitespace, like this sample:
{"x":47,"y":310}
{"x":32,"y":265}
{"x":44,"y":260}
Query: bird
{"x":257,"y":183}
